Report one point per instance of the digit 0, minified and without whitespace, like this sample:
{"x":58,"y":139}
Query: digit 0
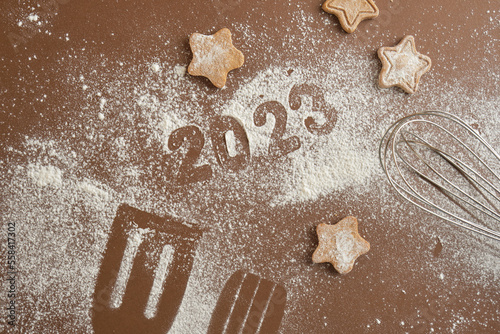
{"x":218,"y":130}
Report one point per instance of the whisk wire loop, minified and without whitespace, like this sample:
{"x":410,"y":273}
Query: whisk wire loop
{"x":402,"y":162}
{"x":470,"y":200}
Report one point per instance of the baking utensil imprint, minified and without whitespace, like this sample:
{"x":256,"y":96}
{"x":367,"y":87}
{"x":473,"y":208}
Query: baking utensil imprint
{"x":248,"y":304}
{"x":438,"y":162}
{"x":144,"y":273}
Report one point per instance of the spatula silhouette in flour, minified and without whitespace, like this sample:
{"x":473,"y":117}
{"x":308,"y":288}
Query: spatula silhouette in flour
{"x":144,"y":273}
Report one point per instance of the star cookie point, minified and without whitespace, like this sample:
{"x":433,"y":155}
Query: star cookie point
{"x":340,"y":244}
{"x":351,"y":12}
{"x":402,"y":65}
{"x":214,"y":56}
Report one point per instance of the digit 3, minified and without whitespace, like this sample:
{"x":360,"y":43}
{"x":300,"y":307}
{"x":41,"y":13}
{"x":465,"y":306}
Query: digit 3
{"x":318,"y":105}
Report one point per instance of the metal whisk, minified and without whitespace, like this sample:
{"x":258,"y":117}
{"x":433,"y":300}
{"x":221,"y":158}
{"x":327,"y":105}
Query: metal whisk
{"x":442,"y":165}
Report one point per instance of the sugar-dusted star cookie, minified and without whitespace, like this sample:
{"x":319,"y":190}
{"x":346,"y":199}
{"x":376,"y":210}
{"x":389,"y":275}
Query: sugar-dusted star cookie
{"x":214,"y":56}
{"x":351,"y":12}
{"x":402,"y":65}
{"x":340,"y":244}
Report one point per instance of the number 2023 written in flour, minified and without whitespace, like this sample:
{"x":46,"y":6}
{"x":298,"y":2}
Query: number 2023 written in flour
{"x":237,"y":157}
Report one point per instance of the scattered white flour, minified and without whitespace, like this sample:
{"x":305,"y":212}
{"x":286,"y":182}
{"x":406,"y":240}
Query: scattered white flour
{"x":63,"y":191}
{"x":33,"y":17}
{"x":61,"y":229}
{"x":93,"y":190}
{"x":102,"y":103}
{"x":45,"y":175}
{"x":180,"y":70}
{"x":156,"y":67}
{"x":324,"y":163}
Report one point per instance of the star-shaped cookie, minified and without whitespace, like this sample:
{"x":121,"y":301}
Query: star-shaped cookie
{"x":351,"y":12}
{"x":402,"y":65}
{"x":214,"y":56}
{"x":340,"y":244}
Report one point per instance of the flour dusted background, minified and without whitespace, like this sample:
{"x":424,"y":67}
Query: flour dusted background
{"x":89,"y":102}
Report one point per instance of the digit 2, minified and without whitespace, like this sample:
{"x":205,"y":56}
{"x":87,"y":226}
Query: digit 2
{"x":219,"y":127}
{"x":193,"y":138}
{"x":319,"y":105}
{"x":278,"y":146}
